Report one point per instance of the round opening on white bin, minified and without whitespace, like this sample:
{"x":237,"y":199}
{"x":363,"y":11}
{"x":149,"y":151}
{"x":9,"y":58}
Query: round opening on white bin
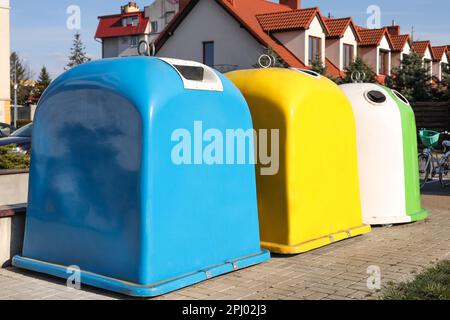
{"x":401,"y":97}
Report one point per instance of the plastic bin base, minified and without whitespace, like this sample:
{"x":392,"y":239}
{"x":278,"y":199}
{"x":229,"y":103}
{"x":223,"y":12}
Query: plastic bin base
{"x":317,"y":243}
{"x":418,"y":216}
{"x":142,"y":291}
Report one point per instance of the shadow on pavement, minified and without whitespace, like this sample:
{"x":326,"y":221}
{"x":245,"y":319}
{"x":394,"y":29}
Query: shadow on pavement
{"x":434,"y":188}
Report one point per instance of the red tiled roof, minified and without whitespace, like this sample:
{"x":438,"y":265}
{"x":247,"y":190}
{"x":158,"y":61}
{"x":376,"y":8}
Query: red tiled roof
{"x":373,"y":37}
{"x":111,"y":26}
{"x":245,"y":12}
{"x":289,"y":20}
{"x":438,"y":52}
{"x":421,"y":47}
{"x":399,"y":42}
{"x":338,"y":27}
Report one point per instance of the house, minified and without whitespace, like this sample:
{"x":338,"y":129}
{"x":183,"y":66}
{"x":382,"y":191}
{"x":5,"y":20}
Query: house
{"x":401,"y":46}
{"x":341,"y":45}
{"x":440,"y":60}
{"x":302,"y":31}
{"x":5,"y":114}
{"x":423,"y":48}
{"x":120,"y":34}
{"x":160,"y":13}
{"x":233,"y":34}
{"x":375,"y":49}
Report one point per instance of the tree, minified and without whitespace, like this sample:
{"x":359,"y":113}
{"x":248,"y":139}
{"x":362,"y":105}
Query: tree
{"x":411,"y":79}
{"x":445,"y":82}
{"x":275,"y":60}
{"x":318,"y":66}
{"x":77,"y":53}
{"x":359,"y":67}
{"x":19,"y":73}
{"x":42,"y":83}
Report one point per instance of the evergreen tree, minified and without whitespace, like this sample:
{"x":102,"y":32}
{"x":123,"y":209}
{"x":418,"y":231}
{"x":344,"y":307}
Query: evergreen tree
{"x":359,"y":66}
{"x":77,"y":53}
{"x":446,"y":81}
{"x":42,"y":83}
{"x":19,"y":72}
{"x":412,"y":79}
{"x":276,"y":61}
{"x":318,"y":66}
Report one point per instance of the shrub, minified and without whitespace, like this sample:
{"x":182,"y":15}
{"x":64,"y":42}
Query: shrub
{"x":433,"y":284}
{"x":22,"y":123}
{"x":411,"y":79}
{"x":10,"y":159}
{"x":364,"y":70}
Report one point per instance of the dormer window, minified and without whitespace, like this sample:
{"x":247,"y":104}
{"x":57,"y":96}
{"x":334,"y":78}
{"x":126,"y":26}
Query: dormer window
{"x":130,"y":21}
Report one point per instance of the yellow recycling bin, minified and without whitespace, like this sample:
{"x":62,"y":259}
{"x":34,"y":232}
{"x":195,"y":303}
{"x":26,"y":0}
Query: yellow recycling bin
{"x":314,"y":198}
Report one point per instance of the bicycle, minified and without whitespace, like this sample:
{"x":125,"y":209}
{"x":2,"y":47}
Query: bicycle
{"x":431,"y":165}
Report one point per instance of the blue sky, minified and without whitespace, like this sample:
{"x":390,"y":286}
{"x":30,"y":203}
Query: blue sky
{"x":40,"y":35}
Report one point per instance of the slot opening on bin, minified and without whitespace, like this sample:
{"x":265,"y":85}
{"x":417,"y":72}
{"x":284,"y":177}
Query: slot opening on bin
{"x":310,"y":73}
{"x":196,"y":76}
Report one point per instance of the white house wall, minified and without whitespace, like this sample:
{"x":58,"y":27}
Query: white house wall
{"x":295,"y":41}
{"x":4,"y":60}
{"x":437,"y":66}
{"x":156,"y":12}
{"x":350,"y":39}
{"x":384,"y":45}
{"x":315,"y":30}
{"x":208,"y":21}
{"x":397,"y":57}
{"x":114,"y":47}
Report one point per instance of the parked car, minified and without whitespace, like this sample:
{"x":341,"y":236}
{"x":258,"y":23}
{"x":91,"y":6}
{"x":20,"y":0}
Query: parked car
{"x":6,"y":130}
{"x":21,"y":138}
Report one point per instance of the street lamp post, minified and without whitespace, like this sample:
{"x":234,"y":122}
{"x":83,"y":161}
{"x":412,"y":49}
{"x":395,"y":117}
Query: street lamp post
{"x":16,"y":86}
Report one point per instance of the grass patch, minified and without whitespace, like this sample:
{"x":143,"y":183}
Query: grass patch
{"x":10,"y":159}
{"x":432,"y":284}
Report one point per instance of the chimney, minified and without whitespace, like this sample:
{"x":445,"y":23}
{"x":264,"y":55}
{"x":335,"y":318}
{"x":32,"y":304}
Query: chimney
{"x":293,"y":4}
{"x":130,"y":7}
{"x":394,"y":30}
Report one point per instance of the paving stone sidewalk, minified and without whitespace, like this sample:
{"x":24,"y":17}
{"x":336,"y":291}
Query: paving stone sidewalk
{"x":338,"y":271}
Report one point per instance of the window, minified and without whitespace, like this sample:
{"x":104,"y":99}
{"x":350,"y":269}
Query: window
{"x":169,"y":16}
{"x":124,"y":40}
{"x":347,"y":55}
{"x":155,"y":27}
{"x":383,"y":62}
{"x":134,"y":41}
{"x":208,"y":53}
{"x":130,"y":21}
{"x":315,"y":49}
{"x":428,"y":65}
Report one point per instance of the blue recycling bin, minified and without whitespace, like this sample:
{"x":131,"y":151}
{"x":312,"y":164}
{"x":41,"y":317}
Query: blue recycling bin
{"x":121,"y":184}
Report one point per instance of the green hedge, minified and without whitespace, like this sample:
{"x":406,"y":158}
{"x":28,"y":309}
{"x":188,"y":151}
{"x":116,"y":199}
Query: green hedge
{"x":22,"y":123}
{"x":10,"y":159}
